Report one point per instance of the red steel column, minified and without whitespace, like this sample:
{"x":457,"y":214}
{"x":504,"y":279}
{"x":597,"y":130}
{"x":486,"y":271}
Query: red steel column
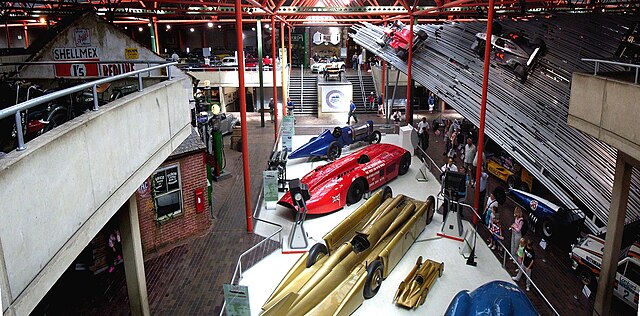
{"x":26,"y":35}
{"x":483,"y":109}
{"x":384,"y":84}
{"x":243,"y":120}
{"x":290,"y":49}
{"x":408,"y":109}
{"x":273,"y":70}
{"x":282,"y":65}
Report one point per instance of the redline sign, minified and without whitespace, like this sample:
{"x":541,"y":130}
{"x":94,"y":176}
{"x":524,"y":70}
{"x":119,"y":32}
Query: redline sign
{"x":115,"y":69}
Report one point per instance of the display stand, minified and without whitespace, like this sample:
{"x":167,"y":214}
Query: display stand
{"x":454,"y":189}
{"x":297,"y":240}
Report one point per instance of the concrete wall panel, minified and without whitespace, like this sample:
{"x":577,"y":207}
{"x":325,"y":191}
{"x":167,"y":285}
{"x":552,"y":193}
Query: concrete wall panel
{"x":69,"y":182}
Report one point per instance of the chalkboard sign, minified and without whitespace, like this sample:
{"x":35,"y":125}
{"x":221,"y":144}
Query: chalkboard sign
{"x":166,"y":180}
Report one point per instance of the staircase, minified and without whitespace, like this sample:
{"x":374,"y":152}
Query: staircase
{"x":303,"y":91}
{"x":369,"y":86}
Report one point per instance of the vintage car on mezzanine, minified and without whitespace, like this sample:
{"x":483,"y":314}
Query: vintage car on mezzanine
{"x":336,"y":276}
{"x":345,"y":180}
{"x":493,"y":298}
{"x":397,"y":37}
{"x":329,"y":143}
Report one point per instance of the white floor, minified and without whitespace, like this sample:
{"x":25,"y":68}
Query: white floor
{"x":263,"y":277}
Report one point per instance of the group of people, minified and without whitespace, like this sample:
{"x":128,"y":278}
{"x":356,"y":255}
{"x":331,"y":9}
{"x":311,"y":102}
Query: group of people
{"x":290,"y":107}
{"x":521,"y":247}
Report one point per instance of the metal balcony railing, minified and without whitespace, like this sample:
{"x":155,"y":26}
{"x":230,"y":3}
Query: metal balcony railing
{"x":597,"y":62}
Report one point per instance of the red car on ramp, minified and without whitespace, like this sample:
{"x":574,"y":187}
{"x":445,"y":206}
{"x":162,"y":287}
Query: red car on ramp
{"x":345,"y":180}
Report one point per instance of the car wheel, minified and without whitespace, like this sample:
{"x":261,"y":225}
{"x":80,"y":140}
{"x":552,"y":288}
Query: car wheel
{"x":402,"y":54}
{"x":343,"y":68}
{"x":512,"y":182}
{"x":422,"y":35}
{"x":334,"y":151}
{"x":375,"y":137}
{"x":521,"y":73}
{"x":56,"y":120}
{"x":524,"y":187}
{"x":588,"y":278}
{"x":480,"y":48}
{"x":356,"y":191}
{"x":387,"y":193}
{"x":431,"y":211}
{"x":337,"y":132}
{"x":374,"y":279}
{"x":538,"y":42}
{"x":405,"y":162}
{"x":548,"y":226}
{"x":316,"y":252}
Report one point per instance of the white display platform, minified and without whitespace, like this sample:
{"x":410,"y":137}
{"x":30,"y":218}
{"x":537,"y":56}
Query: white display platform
{"x":264,"y":276}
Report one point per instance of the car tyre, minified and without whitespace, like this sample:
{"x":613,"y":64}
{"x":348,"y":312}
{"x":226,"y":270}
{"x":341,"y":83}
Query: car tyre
{"x":402,"y":54}
{"x":521,"y":73}
{"x":316,"y":252}
{"x":356,"y":191}
{"x":588,"y":278}
{"x":548,"y":227}
{"x":524,"y":187}
{"x":480,"y":48}
{"x":56,"y":120}
{"x":375,"y":137}
{"x":334,"y":151}
{"x":538,"y":42}
{"x":512,"y":182}
{"x":387,"y":193}
{"x":337,"y":132}
{"x":422,"y":35}
{"x":375,"y":276}
{"x":405,"y":162}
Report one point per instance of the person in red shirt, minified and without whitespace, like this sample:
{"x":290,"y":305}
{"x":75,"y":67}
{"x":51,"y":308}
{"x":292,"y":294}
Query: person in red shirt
{"x":266,"y":61}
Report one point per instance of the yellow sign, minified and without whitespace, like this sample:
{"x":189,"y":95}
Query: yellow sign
{"x":131,"y":53}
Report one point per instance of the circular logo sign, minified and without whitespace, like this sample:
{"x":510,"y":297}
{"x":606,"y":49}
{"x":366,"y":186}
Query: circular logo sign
{"x":144,"y":187}
{"x":533,"y":204}
{"x":334,"y":99}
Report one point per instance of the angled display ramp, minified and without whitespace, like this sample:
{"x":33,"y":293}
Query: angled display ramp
{"x":529,"y":121}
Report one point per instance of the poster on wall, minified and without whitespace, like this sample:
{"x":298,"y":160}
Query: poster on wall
{"x":335,"y":98}
{"x":79,"y":54}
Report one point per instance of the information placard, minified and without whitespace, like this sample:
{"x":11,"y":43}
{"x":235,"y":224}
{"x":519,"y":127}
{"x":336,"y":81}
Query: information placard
{"x":237,"y":299}
{"x":288,"y":130}
{"x":270,"y":180}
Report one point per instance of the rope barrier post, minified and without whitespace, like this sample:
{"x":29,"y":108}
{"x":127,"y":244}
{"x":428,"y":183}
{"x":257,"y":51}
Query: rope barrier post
{"x":21,"y":145}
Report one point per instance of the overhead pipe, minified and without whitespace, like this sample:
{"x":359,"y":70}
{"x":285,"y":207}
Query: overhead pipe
{"x":243,"y":120}
{"x":483,"y":110}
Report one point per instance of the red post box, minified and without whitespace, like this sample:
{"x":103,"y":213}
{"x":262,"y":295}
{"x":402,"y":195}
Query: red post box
{"x":199,"y":194}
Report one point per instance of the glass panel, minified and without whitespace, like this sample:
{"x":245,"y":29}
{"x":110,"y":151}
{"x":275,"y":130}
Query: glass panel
{"x":168,"y":204}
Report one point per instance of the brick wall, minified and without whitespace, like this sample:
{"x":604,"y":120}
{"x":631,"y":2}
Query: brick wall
{"x":155,"y":235}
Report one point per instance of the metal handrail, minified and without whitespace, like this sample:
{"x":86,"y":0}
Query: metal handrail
{"x":617,"y":63}
{"x":54,"y":62}
{"x":58,"y":94}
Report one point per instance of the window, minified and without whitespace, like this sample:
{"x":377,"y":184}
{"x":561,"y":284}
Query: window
{"x":167,"y":192}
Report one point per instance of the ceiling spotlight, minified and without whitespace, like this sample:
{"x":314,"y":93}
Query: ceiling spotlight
{"x":219,"y":26}
{"x":149,"y":24}
{"x":192,"y":30}
{"x":168,"y":27}
{"x":43,"y":20}
{"x":126,"y":28}
{"x":140,"y":29}
{"x":253,"y":28}
{"x":210,"y":24}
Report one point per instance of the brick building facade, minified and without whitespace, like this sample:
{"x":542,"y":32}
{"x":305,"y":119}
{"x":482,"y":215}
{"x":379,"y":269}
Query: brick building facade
{"x":167,"y":202}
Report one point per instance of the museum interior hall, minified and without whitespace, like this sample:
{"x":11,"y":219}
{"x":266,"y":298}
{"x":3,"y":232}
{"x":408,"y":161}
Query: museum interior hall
{"x":319,"y":157}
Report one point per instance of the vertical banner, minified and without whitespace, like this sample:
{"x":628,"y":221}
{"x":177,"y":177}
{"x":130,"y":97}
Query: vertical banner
{"x":270,"y":188}
{"x":237,"y":298}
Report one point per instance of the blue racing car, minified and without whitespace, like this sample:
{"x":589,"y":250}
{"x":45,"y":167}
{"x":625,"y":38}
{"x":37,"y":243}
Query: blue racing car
{"x":496,"y":298}
{"x":329,"y":143}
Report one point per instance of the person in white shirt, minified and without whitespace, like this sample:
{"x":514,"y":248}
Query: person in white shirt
{"x":469,"y":154}
{"x":174,"y":56}
{"x":449,"y":166}
{"x":421,"y":124}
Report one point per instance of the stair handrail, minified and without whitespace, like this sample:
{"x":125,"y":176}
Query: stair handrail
{"x":301,"y":87}
{"x":362,"y":93}
{"x":375,"y":84}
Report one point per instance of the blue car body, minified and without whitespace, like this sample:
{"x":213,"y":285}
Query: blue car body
{"x":496,"y":298}
{"x":541,"y":209}
{"x":341,"y":136}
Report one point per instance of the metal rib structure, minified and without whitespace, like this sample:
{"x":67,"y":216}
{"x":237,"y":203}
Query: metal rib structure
{"x":529,"y":121}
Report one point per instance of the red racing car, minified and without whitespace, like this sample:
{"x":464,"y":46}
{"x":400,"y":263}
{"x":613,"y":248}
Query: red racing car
{"x":345,"y":180}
